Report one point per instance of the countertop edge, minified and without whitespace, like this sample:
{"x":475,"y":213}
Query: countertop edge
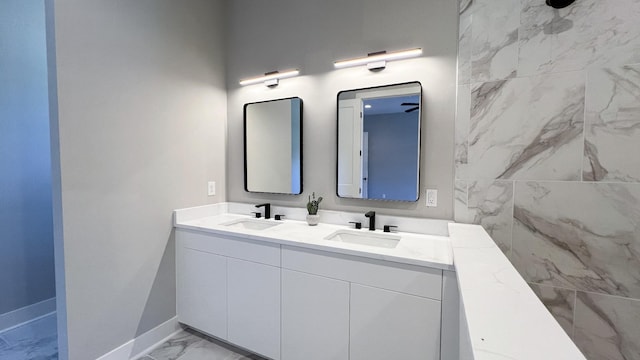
{"x":289,"y":242}
{"x":504,"y":317}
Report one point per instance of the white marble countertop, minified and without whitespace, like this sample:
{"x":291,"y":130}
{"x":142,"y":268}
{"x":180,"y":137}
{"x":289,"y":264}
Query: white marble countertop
{"x":504,"y":318}
{"x":415,"y":249}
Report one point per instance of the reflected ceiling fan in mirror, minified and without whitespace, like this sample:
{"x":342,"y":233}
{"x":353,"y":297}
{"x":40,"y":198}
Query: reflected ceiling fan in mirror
{"x":415,"y":107}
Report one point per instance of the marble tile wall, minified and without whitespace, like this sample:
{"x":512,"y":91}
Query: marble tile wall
{"x":547,"y":156}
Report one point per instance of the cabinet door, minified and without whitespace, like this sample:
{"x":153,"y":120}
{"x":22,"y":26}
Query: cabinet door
{"x":254,"y":306}
{"x":390,"y":325}
{"x":315,"y":317}
{"x":201,"y":285}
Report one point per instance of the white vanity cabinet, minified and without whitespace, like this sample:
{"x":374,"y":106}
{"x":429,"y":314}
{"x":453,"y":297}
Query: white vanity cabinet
{"x":291,"y":303}
{"x":394,"y":310}
{"x":229,"y":287}
{"x":391,"y":325}
{"x":315,"y":317}
{"x":201,"y":287}
{"x":254,"y":306}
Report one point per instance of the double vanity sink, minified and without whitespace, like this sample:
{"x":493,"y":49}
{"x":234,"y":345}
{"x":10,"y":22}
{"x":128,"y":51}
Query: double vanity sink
{"x":359,"y":237}
{"x":404,"y":247}
{"x":290,"y":291}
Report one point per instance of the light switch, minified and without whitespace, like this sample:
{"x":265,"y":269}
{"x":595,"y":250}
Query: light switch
{"x":432,"y":198}
{"x":211,"y":188}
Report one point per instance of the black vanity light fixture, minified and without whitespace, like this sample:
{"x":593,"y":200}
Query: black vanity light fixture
{"x":378,"y":60}
{"x":270,"y":79}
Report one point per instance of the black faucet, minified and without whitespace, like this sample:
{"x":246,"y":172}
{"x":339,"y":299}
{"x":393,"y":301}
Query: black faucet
{"x":372,"y":220}
{"x":387,"y":228}
{"x":267,"y":210}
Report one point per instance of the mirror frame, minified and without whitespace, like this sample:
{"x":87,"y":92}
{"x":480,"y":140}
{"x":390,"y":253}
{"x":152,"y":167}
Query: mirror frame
{"x":244,"y":137}
{"x":418,"y":164}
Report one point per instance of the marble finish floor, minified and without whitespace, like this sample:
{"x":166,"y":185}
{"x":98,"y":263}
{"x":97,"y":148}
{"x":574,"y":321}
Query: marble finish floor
{"x":37,"y":340}
{"x":191,"y":345}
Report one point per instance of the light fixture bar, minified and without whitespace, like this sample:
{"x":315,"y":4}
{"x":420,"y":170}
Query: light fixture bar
{"x":378,"y":60}
{"x":270,"y":78}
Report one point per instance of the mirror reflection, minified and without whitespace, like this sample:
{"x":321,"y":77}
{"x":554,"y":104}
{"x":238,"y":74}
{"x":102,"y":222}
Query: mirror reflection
{"x":273,"y":146}
{"x":379,"y":142}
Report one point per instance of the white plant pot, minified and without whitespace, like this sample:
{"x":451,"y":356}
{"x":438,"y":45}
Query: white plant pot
{"x":313,"y":220}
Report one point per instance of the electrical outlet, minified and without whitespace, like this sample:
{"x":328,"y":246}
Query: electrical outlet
{"x":211,"y":188}
{"x":432,"y":198}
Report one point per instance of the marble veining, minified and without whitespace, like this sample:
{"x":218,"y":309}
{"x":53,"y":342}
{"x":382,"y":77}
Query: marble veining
{"x":568,"y":235}
{"x":562,"y":121}
{"x":176,"y":347}
{"x":36,"y":340}
{"x":494,"y":39}
{"x":464,"y":43}
{"x":504,"y":318}
{"x":488,"y":203}
{"x":560,"y":303}
{"x":534,"y":48}
{"x":613,"y":125}
{"x":527,"y":128}
{"x":606,"y":327}
{"x":491,"y":204}
{"x":192,"y":345}
{"x":586,"y":34}
{"x":460,"y":202}
{"x":463,"y":118}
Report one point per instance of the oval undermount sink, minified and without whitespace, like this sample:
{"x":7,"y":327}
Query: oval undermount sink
{"x":251,"y":224}
{"x":388,"y":241}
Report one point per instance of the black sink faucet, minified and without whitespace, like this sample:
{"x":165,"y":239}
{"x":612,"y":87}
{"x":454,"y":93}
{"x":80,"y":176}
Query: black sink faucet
{"x":372,"y":220}
{"x":267,"y":210}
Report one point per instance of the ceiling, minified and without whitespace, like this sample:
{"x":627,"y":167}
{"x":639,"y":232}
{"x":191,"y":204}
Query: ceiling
{"x":389,"y":105}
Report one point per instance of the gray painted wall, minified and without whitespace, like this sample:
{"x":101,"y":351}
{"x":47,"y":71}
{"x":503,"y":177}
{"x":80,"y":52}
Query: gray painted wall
{"x":141,"y":128}
{"x":311,"y":35}
{"x":26,"y":241}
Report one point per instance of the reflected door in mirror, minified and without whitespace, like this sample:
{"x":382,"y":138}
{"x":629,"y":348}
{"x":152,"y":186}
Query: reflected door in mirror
{"x":273,"y":146}
{"x":379,"y":142}
{"x":349,"y":148}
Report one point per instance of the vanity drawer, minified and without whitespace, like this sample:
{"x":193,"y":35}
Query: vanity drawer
{"x":398,"y":277}
{"x":238,"y":248}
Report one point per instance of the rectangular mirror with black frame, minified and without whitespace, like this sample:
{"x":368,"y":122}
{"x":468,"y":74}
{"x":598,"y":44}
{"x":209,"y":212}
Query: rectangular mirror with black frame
{"x":273,"y":146}
{"x":379,"y":142}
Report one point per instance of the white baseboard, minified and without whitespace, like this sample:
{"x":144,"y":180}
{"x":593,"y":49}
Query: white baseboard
{"x":23,"y":315}
{"x":141,"y":345}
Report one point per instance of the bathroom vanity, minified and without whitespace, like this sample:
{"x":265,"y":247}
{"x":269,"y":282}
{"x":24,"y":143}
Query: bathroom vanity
{"x":289,"y":291}
{"x":286,"y":290}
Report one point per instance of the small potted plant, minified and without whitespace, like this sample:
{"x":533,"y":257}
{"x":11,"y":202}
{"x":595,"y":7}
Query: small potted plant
{"x":312,"y":208}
